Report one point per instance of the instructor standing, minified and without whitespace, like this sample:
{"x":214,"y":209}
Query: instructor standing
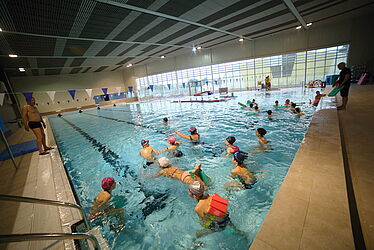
{"x":345,"y":81}
{"x":32,"y":119}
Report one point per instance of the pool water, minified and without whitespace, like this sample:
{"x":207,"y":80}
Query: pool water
{"x":159,"y":214}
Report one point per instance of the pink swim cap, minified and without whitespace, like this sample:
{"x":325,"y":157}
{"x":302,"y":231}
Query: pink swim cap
{"x":171,"y":139}
{"x":107,"y":183}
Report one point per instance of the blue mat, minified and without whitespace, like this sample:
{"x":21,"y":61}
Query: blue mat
{"x":19,"y":149}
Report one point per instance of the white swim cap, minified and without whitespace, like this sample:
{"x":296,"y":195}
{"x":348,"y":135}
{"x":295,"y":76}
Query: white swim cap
{"x":196,"y":188}
{"x":164,"y":162}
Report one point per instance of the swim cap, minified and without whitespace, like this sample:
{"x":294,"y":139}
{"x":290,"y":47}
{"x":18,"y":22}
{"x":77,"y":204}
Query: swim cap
{"x":144,"y":142}
{"x":293,"y":104}
{"x":297,"y":110}
{"x":171,"y":139}
{"x":269,"y":112}
{"x":107,"y":183}
{"x":261,"y":131}
{"x":239,"y":157}
{"x":164,"y":162}
{"x":231,"y":139}
{"x":166,"y":119}
{"x":196,"y":188}
{"x":192,"y":130}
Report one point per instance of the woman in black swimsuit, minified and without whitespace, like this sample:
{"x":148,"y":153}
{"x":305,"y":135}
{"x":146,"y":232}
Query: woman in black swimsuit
{"x":194,"y":137}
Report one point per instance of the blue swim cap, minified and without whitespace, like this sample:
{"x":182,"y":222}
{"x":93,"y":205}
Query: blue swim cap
{"x":240,"y":156}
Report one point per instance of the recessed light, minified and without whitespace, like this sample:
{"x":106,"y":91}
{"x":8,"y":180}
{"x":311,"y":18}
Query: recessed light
{"x":162,"y":57}
{"x":1,"y":29}
{"x":12,"y":55}
{"x":298,"y":27}
{"x":129,"y":65}
{"x":309,"y":24}
{"x":241,"y":39}
{"x":199,"y":47}
{"x":22,"y":69}
{"x":193,"y":49}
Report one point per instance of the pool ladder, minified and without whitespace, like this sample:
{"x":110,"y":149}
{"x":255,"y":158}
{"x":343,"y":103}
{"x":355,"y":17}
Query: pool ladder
{"x":48,"y":236}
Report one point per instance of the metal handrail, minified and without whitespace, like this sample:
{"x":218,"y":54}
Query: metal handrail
{"x":46,"y":202}
{"x":49,"y":236}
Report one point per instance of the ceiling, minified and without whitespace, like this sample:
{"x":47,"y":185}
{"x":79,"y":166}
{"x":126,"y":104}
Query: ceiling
{"x":79,"y":36}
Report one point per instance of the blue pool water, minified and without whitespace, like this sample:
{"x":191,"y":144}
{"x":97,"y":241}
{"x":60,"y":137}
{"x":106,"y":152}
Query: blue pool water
{"x":159,"y":214}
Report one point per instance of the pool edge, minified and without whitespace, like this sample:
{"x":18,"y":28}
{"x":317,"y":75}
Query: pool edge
{"x":311,"y":207}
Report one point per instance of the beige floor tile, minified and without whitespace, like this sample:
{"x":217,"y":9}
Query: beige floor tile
{"x":331,"y":193}
{"x":258,"y":244}
{"x":283,"y":225}
{"x":326,"y":229}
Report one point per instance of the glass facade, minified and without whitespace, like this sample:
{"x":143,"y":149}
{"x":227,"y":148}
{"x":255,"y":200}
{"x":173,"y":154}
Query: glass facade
{"x":286,"y":70}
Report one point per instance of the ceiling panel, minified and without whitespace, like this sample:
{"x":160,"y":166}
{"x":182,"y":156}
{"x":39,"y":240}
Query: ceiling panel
{"x":103,"y":23}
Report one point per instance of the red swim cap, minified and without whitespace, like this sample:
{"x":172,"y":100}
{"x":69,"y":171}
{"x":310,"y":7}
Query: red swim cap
{"x":107,"y":183}
{"x":171,"y":139}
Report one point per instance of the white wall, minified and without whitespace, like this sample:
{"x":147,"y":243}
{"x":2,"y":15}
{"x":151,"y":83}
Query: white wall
{"x":61,"y":83}
{"x":356,"y":31}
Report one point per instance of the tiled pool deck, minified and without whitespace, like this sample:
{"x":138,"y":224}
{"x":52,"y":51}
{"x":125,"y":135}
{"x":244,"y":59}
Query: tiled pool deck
{"x":38,"y":177}
{"x":310,"y":211}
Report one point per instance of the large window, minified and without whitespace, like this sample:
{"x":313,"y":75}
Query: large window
{"x":284,"y":70}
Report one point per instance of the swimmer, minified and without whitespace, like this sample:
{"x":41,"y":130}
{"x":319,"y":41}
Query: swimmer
{"x":250,"y":107}
{"x":261,"y":132}
{"x":194,"y":137}
{"x":256,"y":108}
{"x":254,"y":102}
{"x":231,"y":148}
{"x":148,"y":152}
{"x":287,"y":102}
{"x":276,"y":104}
{"x":269,"y":113}
{"x":317,"y":98}
{"x":212,"y":209}
{"x":173,"y":147}
{"x":298,"y":112}
{"x":170,"y":171}
{"x":165,"y":121}
{"x":99,"y":205}
{"x":245,"y":177}
{"x":292,"y":107}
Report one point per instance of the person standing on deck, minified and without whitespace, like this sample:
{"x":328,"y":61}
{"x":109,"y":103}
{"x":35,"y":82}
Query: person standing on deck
{"x":32,"y":119}
{"x":345,"y":81}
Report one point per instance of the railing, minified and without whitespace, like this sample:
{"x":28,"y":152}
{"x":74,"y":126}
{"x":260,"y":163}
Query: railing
{"x":46,"y":202}
{"x":49,"y":236}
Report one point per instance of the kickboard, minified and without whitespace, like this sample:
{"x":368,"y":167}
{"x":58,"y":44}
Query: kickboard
{"x":243,"y":105}
{"x":335,"y":91}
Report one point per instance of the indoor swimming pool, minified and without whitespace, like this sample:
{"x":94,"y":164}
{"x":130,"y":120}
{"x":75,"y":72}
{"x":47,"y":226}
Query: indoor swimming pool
{"x":159,"y":214}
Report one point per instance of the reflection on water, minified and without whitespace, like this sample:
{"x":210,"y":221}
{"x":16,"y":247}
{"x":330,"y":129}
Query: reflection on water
{"x":158,"y":212}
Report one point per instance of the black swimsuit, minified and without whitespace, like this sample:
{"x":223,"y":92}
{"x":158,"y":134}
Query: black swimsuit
{"x":33,"y":125}
{"x":194,"y":141}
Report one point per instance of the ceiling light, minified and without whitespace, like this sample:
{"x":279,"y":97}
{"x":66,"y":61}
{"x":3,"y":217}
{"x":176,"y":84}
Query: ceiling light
{"x":309,"y":24}
{"x":193,"y":49}
{"x":12,"y":55}
{"x":1,"y":30}
{"x":199,"y":47}
{"x":129,"y":65}
{"x":162,"y":57}
{"x":298,"y":27}
{"x":22,"y":69}
{"x":241,"y":39}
